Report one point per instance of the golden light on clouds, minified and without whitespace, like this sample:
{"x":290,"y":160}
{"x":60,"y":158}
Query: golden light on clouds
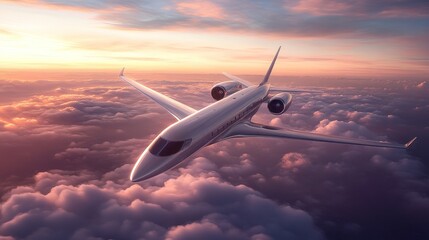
{"x":18,"y":122}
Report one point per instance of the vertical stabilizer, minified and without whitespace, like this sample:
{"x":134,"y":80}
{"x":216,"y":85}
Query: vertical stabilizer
{"x":267,"y":76}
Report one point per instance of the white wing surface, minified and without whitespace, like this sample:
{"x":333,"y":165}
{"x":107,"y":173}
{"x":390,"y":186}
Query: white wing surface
{"x":259,"y":130}
{"x":175,"y":108}
{"x":237,"y":79}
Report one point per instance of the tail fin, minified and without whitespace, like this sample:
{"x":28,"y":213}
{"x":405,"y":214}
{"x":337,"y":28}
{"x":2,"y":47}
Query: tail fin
{"x":267,"y":76}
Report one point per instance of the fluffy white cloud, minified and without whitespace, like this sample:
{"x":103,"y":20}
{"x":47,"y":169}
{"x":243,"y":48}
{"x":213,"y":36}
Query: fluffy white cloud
{"x":186,"y":206}
{"x":240,"y":188}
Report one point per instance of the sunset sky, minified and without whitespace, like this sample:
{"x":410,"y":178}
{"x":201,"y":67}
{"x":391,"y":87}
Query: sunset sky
{"x":71,"y":131}
{"x":319,"y":37}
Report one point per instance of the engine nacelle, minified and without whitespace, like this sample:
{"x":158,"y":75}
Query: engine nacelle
{"x":279,"y":103}
{"x":224,"y":89}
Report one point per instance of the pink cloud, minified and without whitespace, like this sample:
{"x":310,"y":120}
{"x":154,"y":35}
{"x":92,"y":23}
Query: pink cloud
{"x":361,"y":8}
{"x":227,"y":185}
{"x":322,"y":7}
{"x":293,"y":161}
{"x":340,"y":128}
{"x":183,"y":207}
{"x":196,"y":230}
{"x":201,"y":8}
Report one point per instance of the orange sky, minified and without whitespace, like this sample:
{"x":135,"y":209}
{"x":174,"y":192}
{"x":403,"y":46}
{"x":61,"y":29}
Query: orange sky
{"x":207,"y":37}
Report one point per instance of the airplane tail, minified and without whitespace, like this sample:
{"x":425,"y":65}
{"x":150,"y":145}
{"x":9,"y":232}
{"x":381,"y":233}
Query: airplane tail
{"x":267,"y":76}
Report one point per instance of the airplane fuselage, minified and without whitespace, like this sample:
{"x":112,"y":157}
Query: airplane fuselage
{"x":227,"y":118}
{"x":197,"y":130}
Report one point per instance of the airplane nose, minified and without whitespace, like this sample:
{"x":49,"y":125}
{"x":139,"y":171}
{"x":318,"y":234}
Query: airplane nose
{"x":135,"y":177}
{"x":146,"y":167}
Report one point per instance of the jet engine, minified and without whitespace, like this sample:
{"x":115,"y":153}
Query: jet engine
{"x":279,"y":103}
{"x":224,"y":89}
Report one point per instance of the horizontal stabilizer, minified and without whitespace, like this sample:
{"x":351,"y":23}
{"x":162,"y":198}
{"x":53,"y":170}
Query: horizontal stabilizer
{"x":291,"y":90}
{"x":237,"y":79}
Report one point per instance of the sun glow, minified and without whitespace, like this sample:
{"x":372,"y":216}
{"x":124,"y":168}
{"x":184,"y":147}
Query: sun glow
{"x":58,"y":37}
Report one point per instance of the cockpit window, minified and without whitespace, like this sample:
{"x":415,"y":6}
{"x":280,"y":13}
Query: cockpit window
{"x":164,"y":147}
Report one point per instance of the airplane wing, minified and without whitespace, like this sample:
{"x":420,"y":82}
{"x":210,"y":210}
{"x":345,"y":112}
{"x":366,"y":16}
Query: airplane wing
{"x":175,"y":108}
{"x":279,"y":90}
{"x":237,"y":79}
{"x":258,"y":130}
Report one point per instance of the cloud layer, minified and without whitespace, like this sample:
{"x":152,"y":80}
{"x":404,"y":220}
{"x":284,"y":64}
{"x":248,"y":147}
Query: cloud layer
{"x":81,"y":139}
{"x":184,"y":207}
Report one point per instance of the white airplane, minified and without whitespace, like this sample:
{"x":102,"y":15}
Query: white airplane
{"x":229,"y":117}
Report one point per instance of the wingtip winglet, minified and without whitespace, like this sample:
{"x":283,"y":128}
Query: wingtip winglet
{"x":410,"y":143}
{"x":122,"y":72}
